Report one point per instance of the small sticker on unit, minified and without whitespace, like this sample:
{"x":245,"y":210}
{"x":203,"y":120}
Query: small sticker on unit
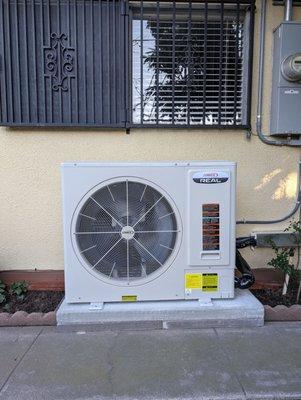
{"x":210,"y":282}
{"x":129,"y":298}
{"x":193,"y":281}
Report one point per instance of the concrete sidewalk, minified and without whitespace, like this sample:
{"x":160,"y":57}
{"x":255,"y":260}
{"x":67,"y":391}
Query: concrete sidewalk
{"x":250,"y":363}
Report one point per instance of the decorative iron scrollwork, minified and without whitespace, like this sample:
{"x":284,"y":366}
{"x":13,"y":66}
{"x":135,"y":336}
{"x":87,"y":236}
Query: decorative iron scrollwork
{"x":59,"y":61}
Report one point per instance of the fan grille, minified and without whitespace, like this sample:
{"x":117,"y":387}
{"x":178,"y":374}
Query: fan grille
{"x":126,"y":231}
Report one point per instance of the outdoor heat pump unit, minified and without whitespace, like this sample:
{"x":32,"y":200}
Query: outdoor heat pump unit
{"x":147,"y":232}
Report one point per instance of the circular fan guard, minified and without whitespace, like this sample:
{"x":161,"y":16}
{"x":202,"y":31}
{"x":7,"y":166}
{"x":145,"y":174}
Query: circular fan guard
{"x":126,"y":231}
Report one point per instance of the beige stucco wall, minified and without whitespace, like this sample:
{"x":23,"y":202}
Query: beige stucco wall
{"x":30,"y":197}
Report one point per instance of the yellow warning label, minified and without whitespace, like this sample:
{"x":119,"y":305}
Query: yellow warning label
{"x":129,"y":298}
{"x":210,"y":283}
{"x":193,"y":281}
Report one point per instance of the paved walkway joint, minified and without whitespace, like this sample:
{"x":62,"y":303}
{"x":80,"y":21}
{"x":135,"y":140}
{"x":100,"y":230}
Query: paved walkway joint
{"x":89,"y":363}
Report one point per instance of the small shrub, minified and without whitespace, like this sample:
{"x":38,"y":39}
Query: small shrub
{"x":282,"y":261}
{"x":2,"y":292}
{"x":7,"y":307}
{"x":19,"y":289}
{"x":295,"y":228}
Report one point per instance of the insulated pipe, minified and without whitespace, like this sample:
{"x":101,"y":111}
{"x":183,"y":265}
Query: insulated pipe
{"x":275,"y":221}
{"x":261,"y":135}
{"x":247,"y":277}
{"x":288,"y":10}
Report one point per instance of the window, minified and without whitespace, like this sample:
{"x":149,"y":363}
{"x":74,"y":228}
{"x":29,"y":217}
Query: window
{"x":191,"y":63}
{"x":121,"y":63}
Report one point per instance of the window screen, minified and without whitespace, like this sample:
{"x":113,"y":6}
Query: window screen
{"x":191,"y":63}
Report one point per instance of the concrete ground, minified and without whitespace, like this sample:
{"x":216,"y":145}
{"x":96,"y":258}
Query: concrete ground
{"x":89,"y":364}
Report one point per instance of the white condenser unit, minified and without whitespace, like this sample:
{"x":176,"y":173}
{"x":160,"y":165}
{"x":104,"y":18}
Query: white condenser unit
{"x":149,"y":231}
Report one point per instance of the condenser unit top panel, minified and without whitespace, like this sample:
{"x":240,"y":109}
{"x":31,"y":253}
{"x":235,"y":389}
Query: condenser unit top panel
{"x":150,"y":164}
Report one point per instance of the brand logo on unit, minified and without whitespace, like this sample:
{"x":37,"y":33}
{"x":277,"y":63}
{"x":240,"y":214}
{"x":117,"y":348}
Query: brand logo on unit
{"x":210,"y":177}
{"x":291,"y":91}
{"x":127,"y":232}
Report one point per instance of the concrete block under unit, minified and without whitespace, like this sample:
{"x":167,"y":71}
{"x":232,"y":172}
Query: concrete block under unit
{"x":242,"y":311}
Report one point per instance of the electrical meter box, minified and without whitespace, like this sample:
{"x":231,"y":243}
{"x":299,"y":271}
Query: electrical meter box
{"x":286,"y":85}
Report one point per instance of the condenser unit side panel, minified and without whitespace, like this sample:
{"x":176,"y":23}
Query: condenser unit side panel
{"x":209,"y":213}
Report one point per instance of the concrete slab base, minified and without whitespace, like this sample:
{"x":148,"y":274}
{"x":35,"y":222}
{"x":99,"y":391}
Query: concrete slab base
{"x":242,"y":311}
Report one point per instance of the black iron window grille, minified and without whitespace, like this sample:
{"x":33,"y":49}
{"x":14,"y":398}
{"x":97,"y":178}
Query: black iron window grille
{"x":123,"y":64}
{"x":191,"y":63}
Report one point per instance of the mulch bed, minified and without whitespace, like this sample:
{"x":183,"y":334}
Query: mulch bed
{"x":274,"y":297}
{"x":44,"y":301}
{"x":35,"y":302}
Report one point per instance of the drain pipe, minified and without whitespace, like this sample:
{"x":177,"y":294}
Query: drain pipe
{"x":261,"y":135}
{"x":289,"y":215}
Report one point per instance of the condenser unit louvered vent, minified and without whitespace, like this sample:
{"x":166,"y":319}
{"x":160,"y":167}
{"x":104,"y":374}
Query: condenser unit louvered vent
{"x":126,"y":231}
{"x":148,"y":231}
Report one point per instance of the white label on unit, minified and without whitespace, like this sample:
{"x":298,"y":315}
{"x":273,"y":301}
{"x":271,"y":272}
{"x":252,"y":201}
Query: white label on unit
{"x":210,"y":177}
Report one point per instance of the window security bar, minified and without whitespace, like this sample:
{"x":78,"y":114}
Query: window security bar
{"x":191,"y":63}
{"x":121,"y":64}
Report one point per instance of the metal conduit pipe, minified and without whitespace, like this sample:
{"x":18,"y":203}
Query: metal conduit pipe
{"x":288,"y":10}
{"x":289,"y":215}
{"x":261,"y":135}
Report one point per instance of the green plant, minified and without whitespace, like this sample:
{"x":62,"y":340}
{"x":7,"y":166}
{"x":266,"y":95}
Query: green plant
{"x":295,"y":228}
{"x":7,"y":307}
{"x":2,"y":292}
{"x":283,"y":260}
{"x":19,"y":289}
{"x":284,"y":257}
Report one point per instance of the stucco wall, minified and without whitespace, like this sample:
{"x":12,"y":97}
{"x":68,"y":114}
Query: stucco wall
{"x":30,"y":194}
